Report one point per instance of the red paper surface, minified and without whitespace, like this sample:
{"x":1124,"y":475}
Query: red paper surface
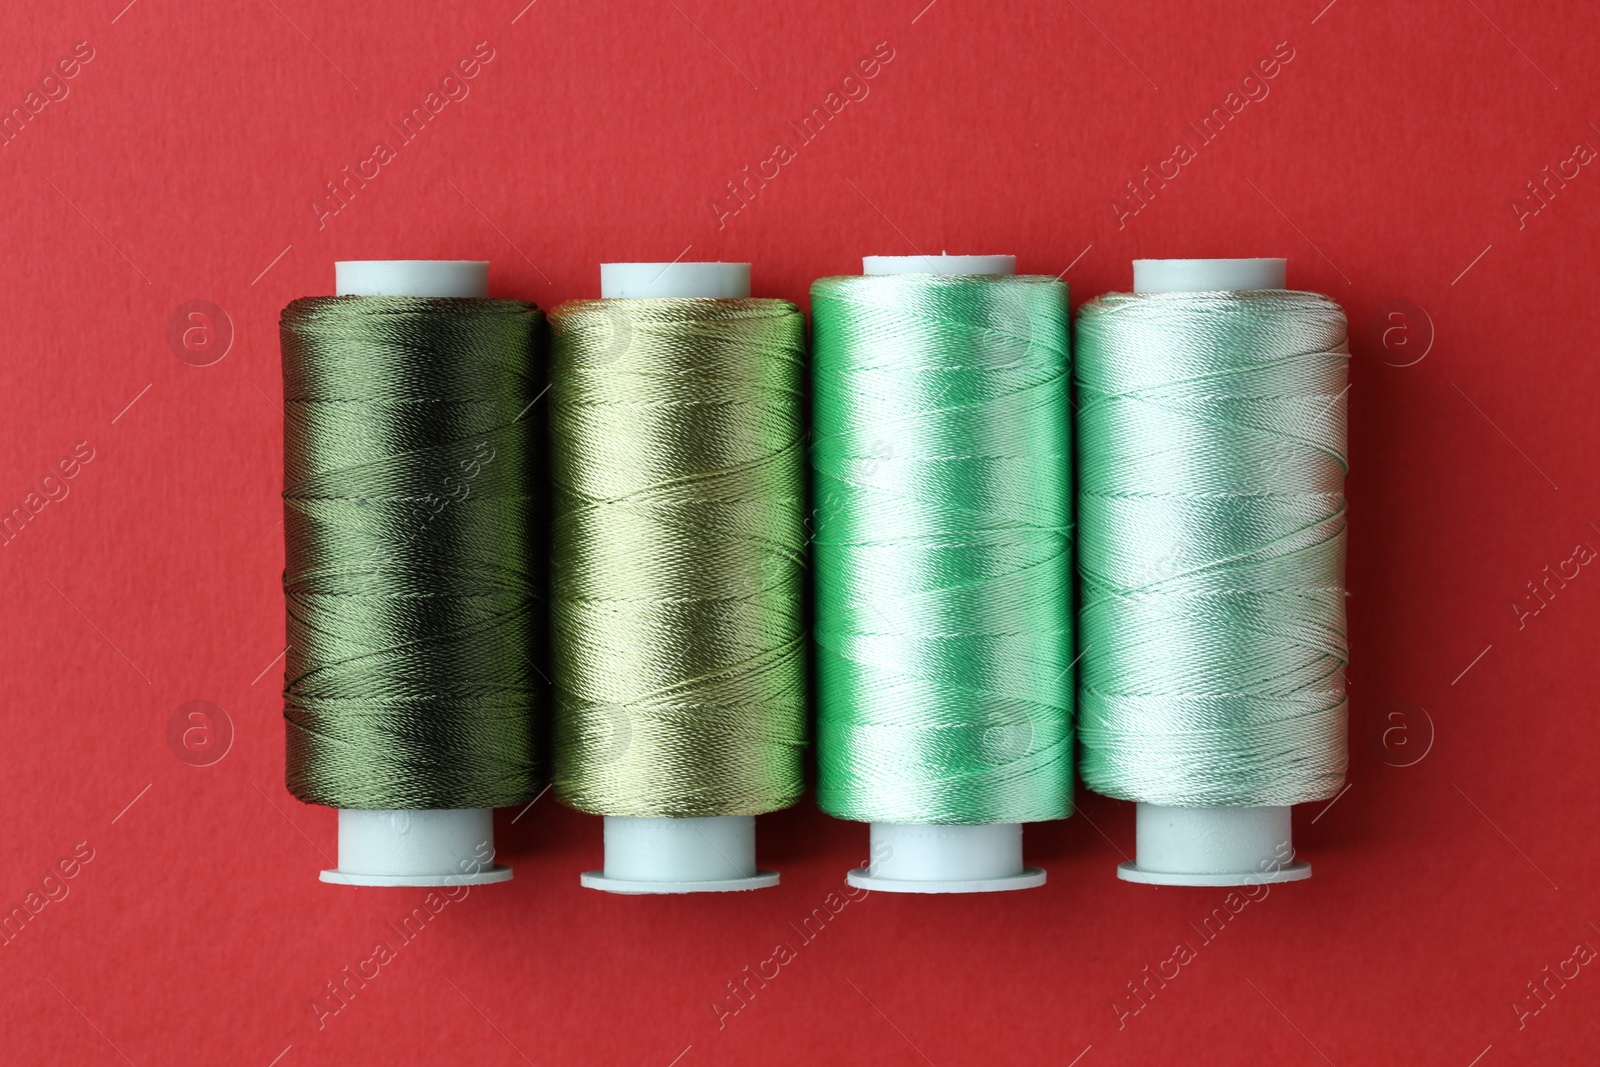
{"x":179,"y":163}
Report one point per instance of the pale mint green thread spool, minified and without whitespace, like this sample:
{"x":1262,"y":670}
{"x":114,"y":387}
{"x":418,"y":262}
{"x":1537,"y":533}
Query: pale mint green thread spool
{"x":1227,"y":404}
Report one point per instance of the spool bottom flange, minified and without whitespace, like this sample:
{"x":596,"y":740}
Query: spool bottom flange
{"x":936,"y":858}
{"x":416,"y":848}
{"x":1218,"y":846}
{"x":714,"y":854}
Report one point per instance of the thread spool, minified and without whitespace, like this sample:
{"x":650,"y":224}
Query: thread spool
{"x":910,"y":857}
{"x":415,"y":847}
{"x":1221,"y":845}
{"x":667,"y":855}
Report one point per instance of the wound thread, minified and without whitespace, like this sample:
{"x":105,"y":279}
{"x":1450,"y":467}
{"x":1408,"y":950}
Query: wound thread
{"x":678,"y":556}
{"x":409,"y":533}
{"x":943,"y":552}
{"x":1211,"y":435}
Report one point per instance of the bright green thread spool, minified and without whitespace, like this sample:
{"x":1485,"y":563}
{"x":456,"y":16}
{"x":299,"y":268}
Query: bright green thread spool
{"x":941,"y":462}
{"x":1211,"y":437}
{"x":408,"y":527}
{"x":678,"y":556}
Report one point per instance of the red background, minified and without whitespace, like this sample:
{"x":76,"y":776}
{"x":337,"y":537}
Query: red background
{"x":1383,"y":163}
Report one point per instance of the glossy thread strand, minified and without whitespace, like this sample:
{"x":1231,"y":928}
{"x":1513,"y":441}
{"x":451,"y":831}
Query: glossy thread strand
{"x":943,"y":552}
{"x":678,"y":556}
{"x":409,"y":519}
{"x":1211,"y":437}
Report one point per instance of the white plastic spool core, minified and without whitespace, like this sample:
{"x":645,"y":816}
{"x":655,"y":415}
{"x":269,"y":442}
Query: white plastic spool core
{"x":1207,"y":275}
{"x":940,"y":264}
{"x":412,"y":277}
{"x":716,"y":854}
{"x":398,"y":847}
{"x":717,"y":281}
{"x":1211,"y":846}
{"x":927,"y":857}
